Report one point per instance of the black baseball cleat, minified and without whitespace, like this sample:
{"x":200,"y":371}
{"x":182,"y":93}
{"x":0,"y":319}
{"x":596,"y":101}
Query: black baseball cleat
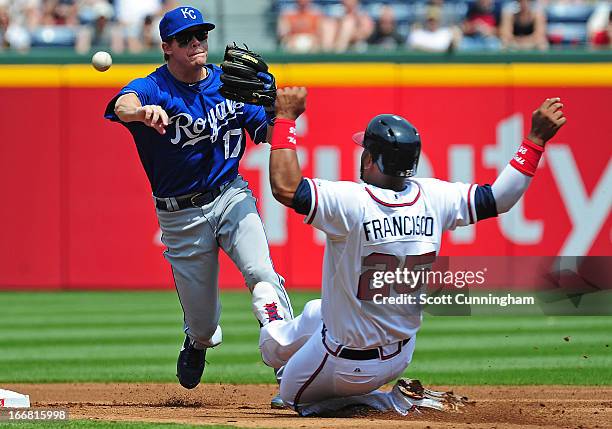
{"x":190,"y":364}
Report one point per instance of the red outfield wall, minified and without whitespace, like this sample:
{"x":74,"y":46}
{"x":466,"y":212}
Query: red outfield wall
{"x":78,"y":211}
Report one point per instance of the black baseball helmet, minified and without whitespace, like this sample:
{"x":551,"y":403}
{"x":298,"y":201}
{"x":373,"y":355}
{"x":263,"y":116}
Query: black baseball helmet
{"x":395,"y":144}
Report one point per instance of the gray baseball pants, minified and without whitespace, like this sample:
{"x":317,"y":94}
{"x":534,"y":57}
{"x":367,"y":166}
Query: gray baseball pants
{"x":193,"y":237}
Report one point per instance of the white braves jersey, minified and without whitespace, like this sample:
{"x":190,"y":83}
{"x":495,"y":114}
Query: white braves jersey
{"x":369,"y":230}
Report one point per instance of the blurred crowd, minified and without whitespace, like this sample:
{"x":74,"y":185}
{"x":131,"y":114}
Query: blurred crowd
{"x":442,"y":25}
{"x":307,"y":26}
{"x":118,"y":25}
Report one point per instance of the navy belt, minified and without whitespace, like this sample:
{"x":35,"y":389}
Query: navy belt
{"x":367,"y":354}
{"x":361,"y":354}
{"x":182,"y":202}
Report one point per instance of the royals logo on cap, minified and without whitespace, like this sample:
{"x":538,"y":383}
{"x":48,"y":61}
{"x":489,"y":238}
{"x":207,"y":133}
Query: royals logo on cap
{"x":180,"y":19}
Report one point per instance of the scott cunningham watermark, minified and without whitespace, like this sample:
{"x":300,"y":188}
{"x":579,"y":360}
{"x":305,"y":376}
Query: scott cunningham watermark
{"x":460,"y":299}
{"x":463,"y":285}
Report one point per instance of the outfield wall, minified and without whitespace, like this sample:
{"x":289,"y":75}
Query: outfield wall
{"x":77,"y":206}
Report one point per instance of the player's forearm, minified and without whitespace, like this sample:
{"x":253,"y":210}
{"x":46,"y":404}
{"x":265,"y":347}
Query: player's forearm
{"x":514,"y":180}
{"x":285,"y":172}
{"x":129,"y":109}
{"x":508,"y":188}
{"x":130,"y":113}
{"x":285,"y":175}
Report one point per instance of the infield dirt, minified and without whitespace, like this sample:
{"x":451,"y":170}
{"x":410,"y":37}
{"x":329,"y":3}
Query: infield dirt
{"x":249,"y":406}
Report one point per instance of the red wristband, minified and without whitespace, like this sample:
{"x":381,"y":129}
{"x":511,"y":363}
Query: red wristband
{"x":527,"y":157}
{"x":284,"y":136}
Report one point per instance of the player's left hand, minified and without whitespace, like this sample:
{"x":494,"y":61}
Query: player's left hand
{"x":290,"y":102}
{"x":546,"y":121}
{"x":246,"y":78}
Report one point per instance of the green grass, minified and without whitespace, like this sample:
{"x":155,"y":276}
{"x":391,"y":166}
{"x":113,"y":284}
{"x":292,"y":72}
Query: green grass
{"x":135,"y":336}
{"x":96,"y":424}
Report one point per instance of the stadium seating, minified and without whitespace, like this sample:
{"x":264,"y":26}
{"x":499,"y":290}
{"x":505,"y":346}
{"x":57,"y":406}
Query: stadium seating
{"x":53,"y":36}
{"x":566,"y":22}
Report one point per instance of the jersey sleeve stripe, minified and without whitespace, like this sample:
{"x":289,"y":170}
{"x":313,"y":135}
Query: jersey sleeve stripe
{"x":314,"y":198}
{"x":469,"y":203}
{"x":256,"y":138}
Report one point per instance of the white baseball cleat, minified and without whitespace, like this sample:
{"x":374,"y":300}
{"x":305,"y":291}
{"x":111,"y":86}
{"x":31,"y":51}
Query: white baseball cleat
{"x":412,"y":395}
{"x":266,"y":303}
{"x":277,"y":403}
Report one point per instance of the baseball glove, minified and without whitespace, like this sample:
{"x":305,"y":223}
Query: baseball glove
{"x":246,"y":78}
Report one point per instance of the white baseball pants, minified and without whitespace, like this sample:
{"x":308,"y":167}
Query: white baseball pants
{"x":315,"y":380}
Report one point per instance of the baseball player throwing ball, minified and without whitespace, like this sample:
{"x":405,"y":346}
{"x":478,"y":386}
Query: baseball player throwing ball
{"x":345,"y":346}
{"x":190,"y":139}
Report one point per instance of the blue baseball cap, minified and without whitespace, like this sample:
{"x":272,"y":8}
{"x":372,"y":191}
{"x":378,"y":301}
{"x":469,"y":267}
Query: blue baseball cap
{"x":180,"y":19}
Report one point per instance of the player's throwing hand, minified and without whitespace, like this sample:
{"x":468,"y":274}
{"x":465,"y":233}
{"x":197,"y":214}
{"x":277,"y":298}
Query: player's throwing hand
{"x":546,"y":121}
{"x":128,"y":109}
{"x":155,"y":117}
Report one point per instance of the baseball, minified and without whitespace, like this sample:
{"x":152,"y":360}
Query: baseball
{"x":101,"y":61}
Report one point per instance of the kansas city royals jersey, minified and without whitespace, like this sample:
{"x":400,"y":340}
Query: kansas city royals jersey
{"x":205,"y":138}
{"x":368,"y":230}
